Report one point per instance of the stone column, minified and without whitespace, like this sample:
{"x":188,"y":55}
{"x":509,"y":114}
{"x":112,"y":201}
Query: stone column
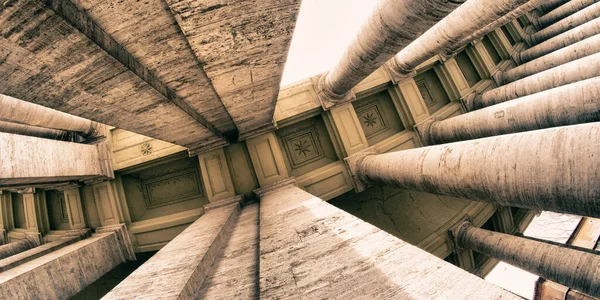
{"x":550,"y":5}
{"x":549,"y":169}
{"x":499,"y":22}
{"x":563,"y":11}
{"x":572,"y":36}
{"x":577,"y":70}
{"x":583,"y":16}
{"x":577,"y":268}
{"x":466,"y":19}
{"x":22,"y":129}
{"x":18,"y":246}
{"x":23,"y":112}
{"x":576,"y":51}
{"x":393,"y":25}
{"x":566,"y":105}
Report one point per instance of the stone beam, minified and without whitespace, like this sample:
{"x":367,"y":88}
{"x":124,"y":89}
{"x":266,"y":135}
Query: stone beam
{"x":242,"y":46}
{"x":581,"y":17}
{"x":462,"y":22}
{"x":573,"y":52}
{"x":17,"y":111}
{"x":309,"y":249}
{"x":31,"y":160}
{"x":178,"y":270}
{"x":51,"y":63}
{"x":563,"y":11}
{"x":391,"y":27}
{"x":72,"y":267}
{"x":566,"y":105}
{"x":562,"y":40}
{"x":577,"y":70}
{"x":549,"y":169}
{"x":575,"y":267}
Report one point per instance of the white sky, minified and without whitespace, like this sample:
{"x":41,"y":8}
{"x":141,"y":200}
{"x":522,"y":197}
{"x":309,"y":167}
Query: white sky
{"x":323,"y":31}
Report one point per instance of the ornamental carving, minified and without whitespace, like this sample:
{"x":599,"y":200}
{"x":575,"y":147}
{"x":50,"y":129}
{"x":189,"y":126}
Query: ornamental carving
{"x":146,"y":149}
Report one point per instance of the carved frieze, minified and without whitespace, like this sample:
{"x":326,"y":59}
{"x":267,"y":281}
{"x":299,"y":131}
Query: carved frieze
{"x":171,"y":188}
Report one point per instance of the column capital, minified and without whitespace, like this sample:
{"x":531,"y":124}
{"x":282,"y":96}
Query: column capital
{"x":353,"y":163}
{"x":468,"y":102}
{"x":329,"y":98}
{"x":497,"y":78}
{"x":398,"y":73}
{"x":423,"y":130}
{"x":223,"y":202}
{"x":454,"y":233}
{"x":260,"y":192}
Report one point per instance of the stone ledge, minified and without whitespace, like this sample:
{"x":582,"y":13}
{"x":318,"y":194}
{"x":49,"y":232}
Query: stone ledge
{"x":260,"y":192}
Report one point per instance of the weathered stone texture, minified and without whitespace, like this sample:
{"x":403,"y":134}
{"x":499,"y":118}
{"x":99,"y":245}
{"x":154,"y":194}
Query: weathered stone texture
{"x":578,"y":50}
{"x":16,"y":247}
{"x":242,"y":46}
{"x":145,"y":38}
{"x":63,"y":273}
{"x":459,"y":24}
{"x":571,"y":104}
{"x":234,"y":274}
{"x":577,"y":70}
{"x":581,"y":17}
{"x":577,"y":268}
{"x":550,"y":169}
{"x":46,"y":61}
{"x":392,"y":26}
{"x":564,"y":11}
{"x":179,"y":268}
{"x":310,"y":249}
{"x":31,"y":160}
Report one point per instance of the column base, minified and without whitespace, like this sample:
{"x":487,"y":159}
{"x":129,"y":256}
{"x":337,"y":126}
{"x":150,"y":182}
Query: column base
{"x":330,"y":99}
{"x":352,"y":163}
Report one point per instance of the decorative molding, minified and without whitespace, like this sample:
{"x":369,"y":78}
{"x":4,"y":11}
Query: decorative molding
{"x":146,"y":149}
{"x":275,"y":186}
{"x":302,"y":145}
{"x":329,"y":99}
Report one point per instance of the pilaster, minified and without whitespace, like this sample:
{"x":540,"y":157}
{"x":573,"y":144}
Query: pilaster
{"x":503,"y":41}
{"x":414,"y":101}
{"x":75,"y":208}
{"x":6,"y":216}
{"x":267,"y":159}
{"x":110,"y":211}
{"x":215,"y":175}
{"x":483,"y":59}
{"x":458,"y":79}
{"x":347,"y":129}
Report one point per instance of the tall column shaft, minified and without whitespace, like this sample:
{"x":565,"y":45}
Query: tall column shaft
{"x":570,"y":37}
{"x":577,"y":269}
{"x":563,"y":11}
{"x":457,"y":25}
{"x":19,"y":246}
{"x":22,"y":129}
{"x":24,"y":112}
{"x":585,"y":15}
{"x":550,"y":5}
{"x":566,"y":105}
{"x":573,"y":52}
{"x":551,"y":169}
{"x":577,"y":70}
{"x":393,"y":25}
{"x":503,"y":20}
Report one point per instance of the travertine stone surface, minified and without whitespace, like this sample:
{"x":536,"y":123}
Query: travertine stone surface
{"x":49,"y":62}
{"x":71,"y":268}
{"x":310,"y":249}
{"x":581,"y":17}
{"x":32,"y":160}
{"x":179,"y":268}
{"x":578,"y":50}
{"x":577,"y":268}
{"x":563,"y":11}
{"x":234,"y":274}
{"x":16,"y":247}
{"x":550,"y":5}
{"x":565,"y":39}
{"x":459,"y":24}
{"x":242,"y":46}
{"x":392,"y":26}
{"x":577,"y":70}
{"x":38,"y":251}
{"x":503,"y":20}
{"x":15,"y":110}
{"x":566,"y":105}
{"x":549,"y":169}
